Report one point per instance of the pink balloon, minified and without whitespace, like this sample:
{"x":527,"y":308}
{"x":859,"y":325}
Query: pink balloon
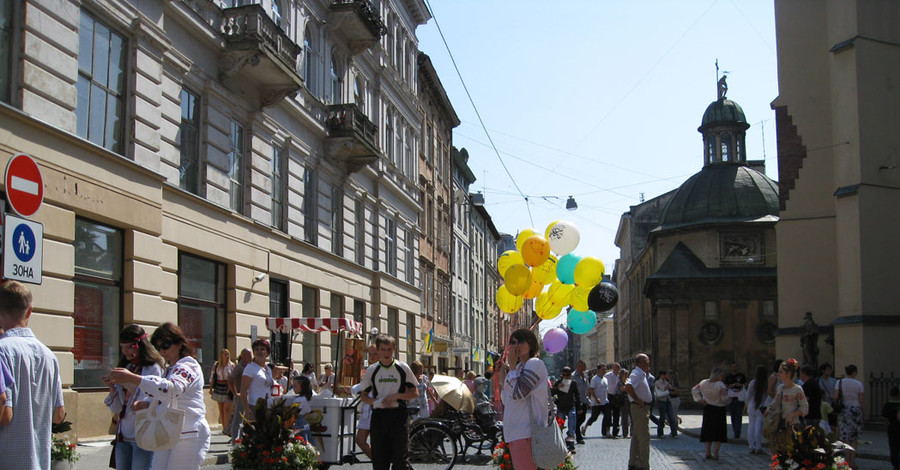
{"x":555,"y":340}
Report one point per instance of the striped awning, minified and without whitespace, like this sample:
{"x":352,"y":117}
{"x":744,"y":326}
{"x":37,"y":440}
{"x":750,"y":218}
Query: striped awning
{"x":316,"y":325}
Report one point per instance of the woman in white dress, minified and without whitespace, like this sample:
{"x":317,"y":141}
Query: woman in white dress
{"x":258,"y":379}
{"x":184,"y":378}
{"x":140,"y":357}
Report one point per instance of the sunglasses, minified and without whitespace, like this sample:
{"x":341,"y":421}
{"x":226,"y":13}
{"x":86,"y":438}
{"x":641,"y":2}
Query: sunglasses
{"x":513,"y":342}
{"x":161,"y":346}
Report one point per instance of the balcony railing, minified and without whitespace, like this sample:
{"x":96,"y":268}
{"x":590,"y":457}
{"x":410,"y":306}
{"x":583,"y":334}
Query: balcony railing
{"x":358,"y":21}
{"x":353,"y":137}
{"x":258,"y":49}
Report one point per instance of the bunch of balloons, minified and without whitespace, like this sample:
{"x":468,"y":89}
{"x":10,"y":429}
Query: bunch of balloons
{"x":573,"y":281}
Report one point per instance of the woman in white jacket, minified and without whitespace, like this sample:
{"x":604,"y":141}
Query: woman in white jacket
{"x":140,"y":357}
{"x":184,"y":378}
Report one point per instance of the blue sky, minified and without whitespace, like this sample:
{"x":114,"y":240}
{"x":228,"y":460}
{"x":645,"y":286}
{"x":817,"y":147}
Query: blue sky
{"x":600,"y":100}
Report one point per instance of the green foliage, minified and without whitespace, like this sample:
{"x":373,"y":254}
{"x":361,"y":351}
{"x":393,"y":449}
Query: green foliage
{"x":63,"y":450}
{"x":806,"y":449}
{"x":501,"y":459}
{"x":268,"y":442}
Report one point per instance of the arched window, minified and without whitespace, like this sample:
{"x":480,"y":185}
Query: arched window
{"x":739,"y":150}
{"x":309,"y":60}
{"x":398,"y":56}
{"x":335,"y":81}
{"x":710,"y":148}
{"x":727,"y":149}
{"x":280,"y":20}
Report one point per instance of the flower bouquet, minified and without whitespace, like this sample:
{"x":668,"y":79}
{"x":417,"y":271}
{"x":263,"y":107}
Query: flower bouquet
{"x":808,"y":449}
{"x":502,"y":459}
{"x":62,"y":450}
{"x":268,"y":442}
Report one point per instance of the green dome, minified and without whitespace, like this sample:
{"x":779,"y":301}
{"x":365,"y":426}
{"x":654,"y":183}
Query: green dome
{"x":721,"y":193}
{"x":723,"y":110}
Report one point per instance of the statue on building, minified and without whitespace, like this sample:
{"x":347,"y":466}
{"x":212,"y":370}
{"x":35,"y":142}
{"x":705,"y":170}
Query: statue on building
{"x":809,"y":340}
{"x":723,"y":87}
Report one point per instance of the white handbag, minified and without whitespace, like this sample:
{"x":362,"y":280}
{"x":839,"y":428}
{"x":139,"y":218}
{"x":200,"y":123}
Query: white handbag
{"x":548,"y":446}
{"x":159,"y":426}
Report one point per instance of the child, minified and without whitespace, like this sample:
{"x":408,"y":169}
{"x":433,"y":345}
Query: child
{"x":303,"y":389}
{"x":891,"y":412}
{"x":6,"y":380}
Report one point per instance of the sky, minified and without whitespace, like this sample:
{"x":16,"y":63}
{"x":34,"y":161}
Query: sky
{"x":599,"y":100}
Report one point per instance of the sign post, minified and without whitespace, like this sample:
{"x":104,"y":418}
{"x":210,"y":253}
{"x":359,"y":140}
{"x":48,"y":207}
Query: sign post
{"x":23,"y":240}
{"x":24,"y":185}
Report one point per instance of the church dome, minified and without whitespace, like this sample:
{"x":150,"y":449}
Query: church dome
{"x":722,"y":193}
{"x":723,"y":111}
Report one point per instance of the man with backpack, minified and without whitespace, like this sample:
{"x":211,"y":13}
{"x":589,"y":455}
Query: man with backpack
{"x":386,"y":386}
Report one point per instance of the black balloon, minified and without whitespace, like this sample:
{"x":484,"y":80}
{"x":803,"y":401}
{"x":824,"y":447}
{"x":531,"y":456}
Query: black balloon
{"x":603,"y":297}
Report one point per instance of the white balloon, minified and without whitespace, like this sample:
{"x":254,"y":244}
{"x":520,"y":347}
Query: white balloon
{"x":563,"y":237}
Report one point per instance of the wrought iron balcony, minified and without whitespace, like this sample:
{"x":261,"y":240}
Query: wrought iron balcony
{"x":358,"y":21}
{"x":259,"y":59}
{"x":352,"y":137}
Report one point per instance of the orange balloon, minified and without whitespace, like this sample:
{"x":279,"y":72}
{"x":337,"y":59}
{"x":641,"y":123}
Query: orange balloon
{"x":522,"y":236}
{"x":533,"y":291}
{"x":535,"y":250}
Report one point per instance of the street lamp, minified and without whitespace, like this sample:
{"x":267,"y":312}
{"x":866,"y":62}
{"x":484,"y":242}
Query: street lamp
{"x":571,"y":204}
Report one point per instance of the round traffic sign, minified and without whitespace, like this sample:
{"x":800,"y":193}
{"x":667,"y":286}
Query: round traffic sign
{"x":24,"y":185}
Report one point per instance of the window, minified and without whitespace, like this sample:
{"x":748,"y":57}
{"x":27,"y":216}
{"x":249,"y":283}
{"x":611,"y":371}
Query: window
{"x":277,"y":16}
{"x":393,"y":324}
{"x":410,"y":337}
{"x":429,"y":144}
{"x":410,"y":256}
{"x":201,"y":306}
{"x":98,"y":301}
{"x":710,"y":149}
{"x":359,"y":96}
{"x":278,"y":308}
{"x":337,"y":221}
{"x":335,"y":81}
{"x":408,"y":163}
{"x":769,"y":311}
{"x":309,"y":61}
{"x":389,"y":135}
{"x":359,"y":311}
{"x":236,"y":166}
{"x":360,"y":238}
{"x":278,"y":187}
{"x":7,"y":46}
{"x":309,"y":206}
{"x":336,"y":311}
{"x":310,"y":305}
{"x":726,"y":148}
{"x":189,"y":133}
{"x":390,"y":247}
{"x":710,"y":310}
{"x":101,"y":85}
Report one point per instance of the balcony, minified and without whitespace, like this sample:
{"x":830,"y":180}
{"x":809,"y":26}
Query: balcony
{"x":259,"y":61}
{"x":352,"y":137}
{"x":358,"y":22}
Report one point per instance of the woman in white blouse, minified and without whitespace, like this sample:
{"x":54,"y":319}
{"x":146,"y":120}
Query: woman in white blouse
{"x":851,"y":419}
{"x":258,"y":379}
{"x":184,"y":378}
{"x":713,"y":395}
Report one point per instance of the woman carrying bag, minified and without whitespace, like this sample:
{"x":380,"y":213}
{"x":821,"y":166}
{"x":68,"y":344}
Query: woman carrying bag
{"x":139,"y":357}
{"x":184,"y":380}
{"x":790,"y":405}
{"x":525,"y":395}
{"x":218,"y":388}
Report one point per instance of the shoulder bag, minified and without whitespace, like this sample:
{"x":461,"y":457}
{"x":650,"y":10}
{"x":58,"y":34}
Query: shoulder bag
{"x":159,"y":426}
{"x":838,"y":405}
{"x":548,"y":446}
{"x":773,"y":421}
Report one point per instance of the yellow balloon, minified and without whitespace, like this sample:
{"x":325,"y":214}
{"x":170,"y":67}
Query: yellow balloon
{"x":588,"y":272}
{"x":547,"y":232}
{"x":547,"y":309}
{"x":517,"y":279}
{"x":545,"y":273}
{"x":507,"y":302}
{"x":533,"y":291}
{"x":535,"y":250}
{"x":522,"y":236}
{"x":540,"y":301}
{"x":560,"y":293}
{"x":507,"y":259}
{"x":579,"y":298}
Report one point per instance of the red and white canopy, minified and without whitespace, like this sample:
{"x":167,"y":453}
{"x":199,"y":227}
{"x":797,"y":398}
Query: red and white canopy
{"x":316,"y":325}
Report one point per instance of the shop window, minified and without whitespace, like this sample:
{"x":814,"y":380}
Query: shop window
{"x":98,"y":301}
{"x":278,"y":308}
{"x":100,"y":109}
{"x":201,"y":306}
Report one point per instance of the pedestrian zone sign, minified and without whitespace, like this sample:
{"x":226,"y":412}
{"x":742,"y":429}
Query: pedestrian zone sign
{"x":23,"y":243}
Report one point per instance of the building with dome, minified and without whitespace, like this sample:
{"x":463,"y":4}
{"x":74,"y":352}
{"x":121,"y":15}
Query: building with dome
{"x":697,"y":271}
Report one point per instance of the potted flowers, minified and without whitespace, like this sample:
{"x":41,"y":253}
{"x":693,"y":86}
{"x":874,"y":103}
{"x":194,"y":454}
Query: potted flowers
{"x":808,"y":449}
{"x":62,"y":451}
{"x":267,"y":442}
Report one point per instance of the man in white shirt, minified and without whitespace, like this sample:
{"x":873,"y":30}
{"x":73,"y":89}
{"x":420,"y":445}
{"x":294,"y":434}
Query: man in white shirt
{"x":598,"y":394}
{"x":638,"y":390}
{"x":385,"y":385}
{"x":615,"y":401}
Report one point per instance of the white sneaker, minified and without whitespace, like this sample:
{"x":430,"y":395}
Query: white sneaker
{"x":570,"y":438}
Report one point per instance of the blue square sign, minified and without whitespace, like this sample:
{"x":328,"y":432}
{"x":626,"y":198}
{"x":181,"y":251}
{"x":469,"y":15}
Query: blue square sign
{"x":23,"y":249}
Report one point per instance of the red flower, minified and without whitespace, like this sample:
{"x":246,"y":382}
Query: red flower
{"x":238,"y":441}
{"x":807,"y":462}
{"x":506,"y":456}
{"x":266,"y":453}
{"x":243,"y":454}
{"x":278,"y":449}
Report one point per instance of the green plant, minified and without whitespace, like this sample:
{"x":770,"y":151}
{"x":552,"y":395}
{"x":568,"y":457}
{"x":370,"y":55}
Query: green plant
{"x":63,"y":450}
{"x":267,"y":442}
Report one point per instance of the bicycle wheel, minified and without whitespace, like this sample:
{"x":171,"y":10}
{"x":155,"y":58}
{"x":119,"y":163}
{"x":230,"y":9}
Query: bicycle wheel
{"x":432,"y":448}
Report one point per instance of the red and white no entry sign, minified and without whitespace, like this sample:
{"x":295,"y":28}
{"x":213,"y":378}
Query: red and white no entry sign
{"x":24,"y":185}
